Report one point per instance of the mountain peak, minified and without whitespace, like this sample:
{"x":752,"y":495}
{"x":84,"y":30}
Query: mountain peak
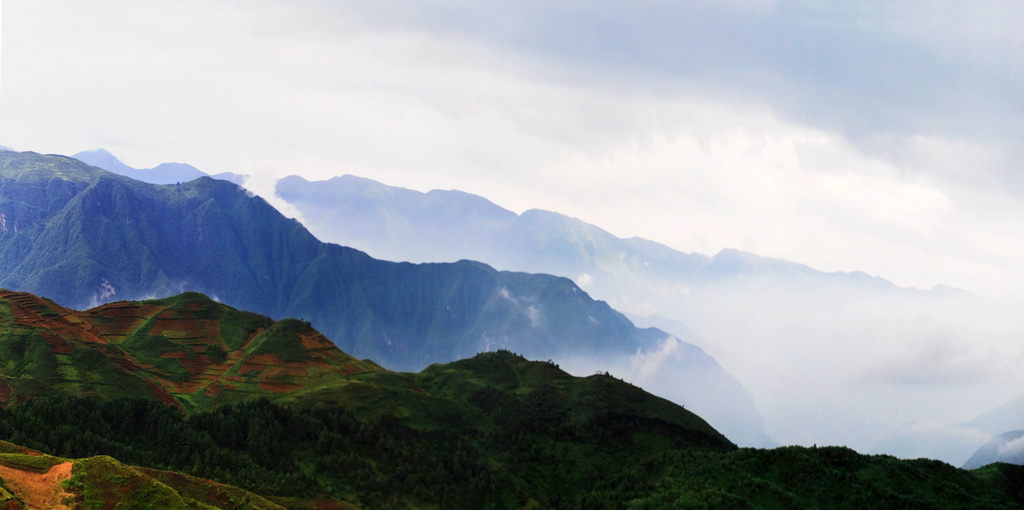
{"x":102,"y":158}
{"x":164,"y":173}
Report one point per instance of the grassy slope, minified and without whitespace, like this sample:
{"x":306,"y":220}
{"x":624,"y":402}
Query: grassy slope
{"x":494,"y":431}
{"x":103,"y":482}
{"x":187,"y":350}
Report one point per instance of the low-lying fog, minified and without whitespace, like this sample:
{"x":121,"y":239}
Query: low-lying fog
{"x":897,"y":372}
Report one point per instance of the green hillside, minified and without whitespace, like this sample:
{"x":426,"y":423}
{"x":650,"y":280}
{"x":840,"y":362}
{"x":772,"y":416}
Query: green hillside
{"x":185,"y":384}
{"x":31,"y":480}
{"x":186,"y":350}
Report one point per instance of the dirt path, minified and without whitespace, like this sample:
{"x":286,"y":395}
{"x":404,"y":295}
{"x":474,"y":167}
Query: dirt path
{"x":39,"y":490}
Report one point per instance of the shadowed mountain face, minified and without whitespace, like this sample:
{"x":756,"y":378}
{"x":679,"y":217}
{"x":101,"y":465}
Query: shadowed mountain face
{"x":84,"y":236}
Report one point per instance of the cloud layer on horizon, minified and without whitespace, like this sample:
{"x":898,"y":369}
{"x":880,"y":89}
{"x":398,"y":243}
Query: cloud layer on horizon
{"x":882,"y":137}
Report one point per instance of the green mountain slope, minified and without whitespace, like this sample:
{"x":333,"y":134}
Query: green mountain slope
{"x":109,"y":238}
{"x":83,"y":236}
{"x":307,"y":426}
{"x":186,"y":350}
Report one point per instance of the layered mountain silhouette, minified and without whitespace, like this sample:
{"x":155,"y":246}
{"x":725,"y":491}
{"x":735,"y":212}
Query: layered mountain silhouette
{"x":697,"y":379}
{"x":84,"y":236}
{"x":1007,"y":447}
{"x":635,"y":274}
{"x":1004,"y":446}
{"x":164,"y":173}
{"x":801,"y":339}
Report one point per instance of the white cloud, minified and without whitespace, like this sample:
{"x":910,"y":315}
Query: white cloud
{"x":1012,"y":450}
{"x":320,"y":90}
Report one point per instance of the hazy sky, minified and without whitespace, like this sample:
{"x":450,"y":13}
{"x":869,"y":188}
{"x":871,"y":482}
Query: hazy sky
{"x":875,"y":136}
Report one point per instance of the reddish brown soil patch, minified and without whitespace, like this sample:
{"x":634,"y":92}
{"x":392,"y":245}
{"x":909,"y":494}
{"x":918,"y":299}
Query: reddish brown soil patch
{"x":195,"y":307}
{"x":279,"y":387}
{"x":174,"y":355}
{"x":6,"y":390}
{"x":59,"y":345}
{"x":260,"y":363}
{"x":161,"y":393}
{"x":39,"y":490}
{"x":212,"y":390}
{"x":177,"y":328}
{"x":316,"y":341}
{"x":197,"y":364}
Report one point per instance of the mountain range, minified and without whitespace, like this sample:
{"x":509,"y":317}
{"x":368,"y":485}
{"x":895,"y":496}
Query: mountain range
{"x":164,"y":173}
{"x":829,"y":357}
{"x":811,"y":345}
{"x":635,"y":274}
{"x":85,"y":236}
{"x":193,"y":385}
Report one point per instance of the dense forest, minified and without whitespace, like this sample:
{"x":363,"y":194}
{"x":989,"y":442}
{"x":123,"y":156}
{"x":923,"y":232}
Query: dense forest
{"x":534,"y":458}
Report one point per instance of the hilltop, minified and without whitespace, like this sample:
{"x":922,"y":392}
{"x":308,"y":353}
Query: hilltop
{"x":187,"y":350}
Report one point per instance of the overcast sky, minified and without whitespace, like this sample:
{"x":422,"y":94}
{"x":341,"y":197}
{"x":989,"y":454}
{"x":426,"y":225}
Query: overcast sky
{"x":874,"y":136}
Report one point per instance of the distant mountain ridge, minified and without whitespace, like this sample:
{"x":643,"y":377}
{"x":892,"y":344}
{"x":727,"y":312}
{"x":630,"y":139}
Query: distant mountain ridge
{"x":164,"y":173}
{"x":1007,"y":447}
{"x":637,"y":276}
{"x":401,"y":224}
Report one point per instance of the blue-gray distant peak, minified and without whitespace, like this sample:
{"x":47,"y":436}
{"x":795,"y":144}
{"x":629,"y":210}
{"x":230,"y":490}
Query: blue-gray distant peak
{"x":164,"y":173}
{"x":1007,"y":447}
{"x":100,"y":158}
